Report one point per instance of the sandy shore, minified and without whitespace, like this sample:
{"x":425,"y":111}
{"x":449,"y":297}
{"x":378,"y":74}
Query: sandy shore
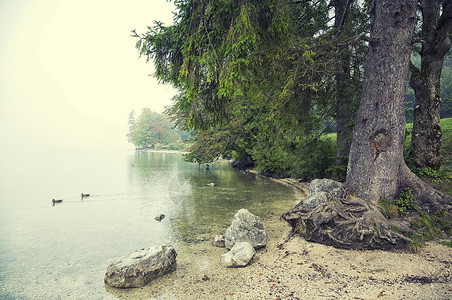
{"x":302,"y":270}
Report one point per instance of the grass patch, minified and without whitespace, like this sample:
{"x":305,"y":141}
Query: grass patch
{"x":446,"y":243}
{"x":388,"y":208}
{"x":443,"y":176}
{"x":430,"y":227}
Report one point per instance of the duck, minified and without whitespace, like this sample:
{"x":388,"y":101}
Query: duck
{"x":84,"y":195}
{"x":159,"y":217}
{"x":211,"y":184}
{"x":57,"y":200}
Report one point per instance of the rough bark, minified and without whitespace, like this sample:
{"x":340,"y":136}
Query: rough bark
{"x":376,"y":154}
{"x":426,"y":137}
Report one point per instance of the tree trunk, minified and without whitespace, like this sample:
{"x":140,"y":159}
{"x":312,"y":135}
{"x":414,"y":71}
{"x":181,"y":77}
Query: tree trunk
{"x":376,"y":167}
{"x":426,"y":137}
{"x":376,"y":154}
{"x":343,"y":99}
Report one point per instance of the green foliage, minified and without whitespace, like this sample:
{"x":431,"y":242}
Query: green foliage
{"x":256,"y":78}
{"x":446,"y":127}
{"x":209,"y":146}
{"x":177,"y":146}
{"x":395,"y":207}
{"x":425,"y":226}
{"x":429,"y":227}
{"x":314,"y":160}
{"x":405,"y":201}
{"x":429,"y":173}
{"x":388,"y":208}
{"x":446,"y":243}
{"x":337,"y":172}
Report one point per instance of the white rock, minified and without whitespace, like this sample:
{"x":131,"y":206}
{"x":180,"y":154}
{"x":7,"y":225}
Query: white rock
{"x":239,"y":256}
{"x":140,"y":267}
{"x":245,"y":227}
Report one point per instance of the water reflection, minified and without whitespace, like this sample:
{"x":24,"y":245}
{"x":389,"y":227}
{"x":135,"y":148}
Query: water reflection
{"x":195,"y":210}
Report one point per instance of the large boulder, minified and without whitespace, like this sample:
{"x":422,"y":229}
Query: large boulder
{"x":245,"y":227}
{"x":140,"y":267}
{"x":239,"y":256}
{"x":321,"y":190}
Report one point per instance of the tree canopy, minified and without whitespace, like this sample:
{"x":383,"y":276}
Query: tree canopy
{"x":265,"y":80}
{"x":262,"y":73}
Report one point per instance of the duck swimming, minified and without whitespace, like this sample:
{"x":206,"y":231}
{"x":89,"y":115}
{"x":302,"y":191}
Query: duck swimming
{"x":159,"y":217}
{"x":84,"y":195}
{"x":57,"y":200}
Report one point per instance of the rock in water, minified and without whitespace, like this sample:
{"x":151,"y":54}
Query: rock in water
{"x":239,"y":256}
{"x":219,"y":241}
{"x":140,"y":267}
{"x":246,"y":227}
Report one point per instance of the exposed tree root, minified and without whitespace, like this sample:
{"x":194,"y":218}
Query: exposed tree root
{"x":427,"y":197}
{"x":345,"y":222}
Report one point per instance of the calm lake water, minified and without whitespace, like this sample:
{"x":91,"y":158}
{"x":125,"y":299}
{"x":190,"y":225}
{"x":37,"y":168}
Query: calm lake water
{"x":62,"y":251}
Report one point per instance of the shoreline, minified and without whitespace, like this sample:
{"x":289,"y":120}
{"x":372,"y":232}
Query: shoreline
{"x":160,"y":151}
{"x":299,"y":269}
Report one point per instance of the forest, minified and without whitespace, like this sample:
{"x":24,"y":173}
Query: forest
{"x":151,"y":130}
{"x":266,"y":82}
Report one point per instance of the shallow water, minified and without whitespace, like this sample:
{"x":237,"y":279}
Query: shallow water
{"x":62,"y":251}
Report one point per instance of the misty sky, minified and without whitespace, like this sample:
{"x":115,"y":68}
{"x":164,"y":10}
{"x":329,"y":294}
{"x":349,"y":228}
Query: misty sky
{"x":69,"y":70}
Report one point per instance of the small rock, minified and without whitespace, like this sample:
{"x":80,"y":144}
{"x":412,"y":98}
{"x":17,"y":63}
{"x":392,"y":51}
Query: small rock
{"x":218,"y":241}
{"x":239,"y":256}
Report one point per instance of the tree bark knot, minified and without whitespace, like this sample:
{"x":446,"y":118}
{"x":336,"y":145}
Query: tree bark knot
{"x":380,"y":140}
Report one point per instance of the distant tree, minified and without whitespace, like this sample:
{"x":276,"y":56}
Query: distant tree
{"x":150,"y":129}
{"x":446,"y":88}
{"x":132,"y":127}
{"x":350,"y":19}
{"x":426,"y":80}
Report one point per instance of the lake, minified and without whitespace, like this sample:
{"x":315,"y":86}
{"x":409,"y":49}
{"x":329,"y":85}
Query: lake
{"x":62,"y":251}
